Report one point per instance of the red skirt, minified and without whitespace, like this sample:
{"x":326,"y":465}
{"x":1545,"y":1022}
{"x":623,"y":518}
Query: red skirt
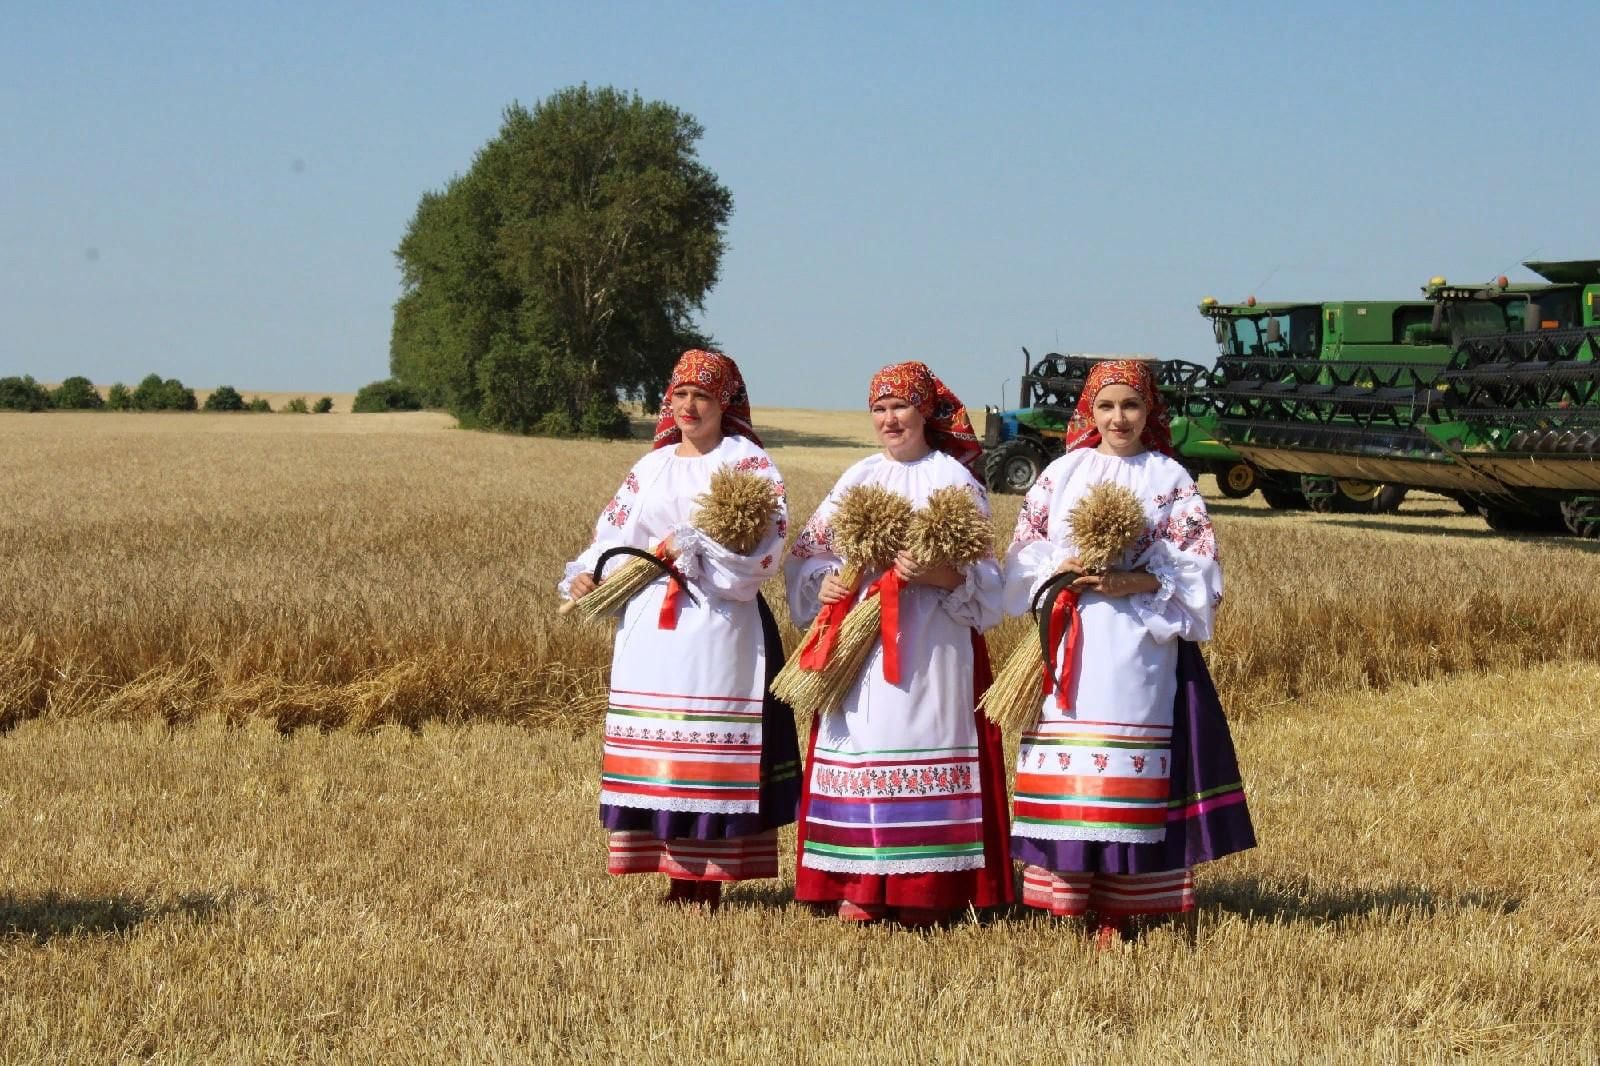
{"x":991,"y":886}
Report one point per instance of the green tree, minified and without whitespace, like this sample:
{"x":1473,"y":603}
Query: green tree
{"x":224,"y":398}
{"x":297,"y":406}
{"x":561,"y":272}
{"x":118,"y":398}
{"x":322,"y":406}
{"x":77,"y":393}
{"x":23,"y":394}
{"x":386,"y":395}
{"x":154,"y":394}
{"x":260,"y":405}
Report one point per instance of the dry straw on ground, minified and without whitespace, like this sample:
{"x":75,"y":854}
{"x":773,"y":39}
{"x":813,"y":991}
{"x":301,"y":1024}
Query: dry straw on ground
{"x":1414,"y":701}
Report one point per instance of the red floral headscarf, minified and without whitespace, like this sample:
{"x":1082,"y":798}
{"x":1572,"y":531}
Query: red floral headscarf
{"x":948,"y":427}
{"x":1137,"y":375}
{"x":718,"y":375}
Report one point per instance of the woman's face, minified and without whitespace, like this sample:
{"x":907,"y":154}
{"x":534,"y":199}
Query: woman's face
{"x":698,"y":414}
{"x":1119,"y":415}
{"x":900,"y":429}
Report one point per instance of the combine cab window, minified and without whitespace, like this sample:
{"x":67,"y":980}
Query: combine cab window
{"x":1555,"y":309}
{"x":1297,"y":331}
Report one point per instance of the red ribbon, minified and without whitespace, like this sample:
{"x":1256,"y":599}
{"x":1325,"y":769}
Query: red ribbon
{"x":888,"y":589}
{"x":1062,"y":686}
{"x":668,"y":618}
{"x":824,"y":633}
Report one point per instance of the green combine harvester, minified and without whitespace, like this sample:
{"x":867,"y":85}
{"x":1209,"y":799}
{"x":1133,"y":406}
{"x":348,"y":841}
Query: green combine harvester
{"x":1020,"y":443}
{"x":1508,"y":425}
{"x":1271,"y":350}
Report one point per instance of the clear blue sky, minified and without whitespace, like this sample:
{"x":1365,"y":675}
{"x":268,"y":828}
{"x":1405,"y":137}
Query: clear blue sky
{"x":214,"y":191}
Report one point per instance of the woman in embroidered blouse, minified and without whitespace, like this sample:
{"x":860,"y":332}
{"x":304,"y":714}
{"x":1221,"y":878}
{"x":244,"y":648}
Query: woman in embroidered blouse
{"x":904,"y":802}
{"x":700,"y":763}
{"x":1128,"y":779}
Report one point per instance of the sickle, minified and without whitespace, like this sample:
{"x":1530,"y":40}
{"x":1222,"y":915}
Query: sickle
{"x":1043,"y":605}
{"x":666,"y":568}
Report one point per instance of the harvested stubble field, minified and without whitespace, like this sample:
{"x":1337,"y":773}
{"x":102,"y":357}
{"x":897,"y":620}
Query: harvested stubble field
{"x":302,"y":767}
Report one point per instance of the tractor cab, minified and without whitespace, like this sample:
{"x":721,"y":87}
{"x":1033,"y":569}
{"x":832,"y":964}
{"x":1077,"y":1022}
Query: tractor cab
{"x":1566,"y":300}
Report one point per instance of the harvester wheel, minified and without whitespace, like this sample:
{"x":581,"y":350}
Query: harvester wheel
{"x":1390,"y":497}
{"x":1581,"y":515}
{"x":1367,"y":497}
{"x":1524,"y":520}
{"x":1237,"y":480}
{"x":1281,"y":497}
{"x":1013,"y":467}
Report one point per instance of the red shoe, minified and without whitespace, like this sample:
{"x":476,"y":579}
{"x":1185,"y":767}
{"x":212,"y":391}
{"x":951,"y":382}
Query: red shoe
{"x":861,"y":912}
{"x":1110,"y":932}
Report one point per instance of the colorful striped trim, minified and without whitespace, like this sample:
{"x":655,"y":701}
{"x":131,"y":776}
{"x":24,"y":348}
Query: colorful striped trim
{"x":1073,"y":894}
{"x":734,"y":859}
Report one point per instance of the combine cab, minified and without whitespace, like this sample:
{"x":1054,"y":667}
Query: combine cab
{"x":1508,"y":424}
{"x":1289,"y":378}
{"x":1018,"y":444}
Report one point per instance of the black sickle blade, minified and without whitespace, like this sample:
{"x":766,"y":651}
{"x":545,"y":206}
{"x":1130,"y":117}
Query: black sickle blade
{"x":611,"y":553}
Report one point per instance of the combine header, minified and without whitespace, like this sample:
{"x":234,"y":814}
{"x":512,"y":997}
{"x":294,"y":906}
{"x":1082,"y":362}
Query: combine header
{"x":1508,"y":423}
{"x":1300,"y":385}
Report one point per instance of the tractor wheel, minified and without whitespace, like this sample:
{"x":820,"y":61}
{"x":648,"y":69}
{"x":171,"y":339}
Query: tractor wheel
{"x":1013,"y":467}
{"x":1237,"y":480}
{"x":1581,"y":514}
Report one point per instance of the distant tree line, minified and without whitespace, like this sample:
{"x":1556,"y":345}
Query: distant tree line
{"x":558,"y":275}
{"x":154,"y":393}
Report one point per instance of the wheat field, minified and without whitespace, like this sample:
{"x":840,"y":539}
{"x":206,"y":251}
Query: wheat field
{"x":299,"y":765}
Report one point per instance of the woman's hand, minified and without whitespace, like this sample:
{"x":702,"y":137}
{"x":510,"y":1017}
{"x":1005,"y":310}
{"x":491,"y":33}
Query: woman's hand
{"x":940,"y":576}
{"x":581,"y":586}
{"x":1117,"y":583}
{"x":833,"y":590}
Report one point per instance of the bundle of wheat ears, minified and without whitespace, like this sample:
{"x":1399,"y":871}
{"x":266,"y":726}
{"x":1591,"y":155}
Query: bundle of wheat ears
{"x":736,"y":512}
{"x":1105,"y":524}
{"x":949,"y":530}
{"x":867,"y":530}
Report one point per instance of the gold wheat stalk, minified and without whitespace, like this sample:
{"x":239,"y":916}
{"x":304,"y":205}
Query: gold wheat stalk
{"x":949,"y":530}
{"x":1105,"y":524}
{"x":867,"y":529}
{"x":736,"y":512}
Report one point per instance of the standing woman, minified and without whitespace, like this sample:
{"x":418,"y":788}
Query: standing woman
{"x":700,"y":764}
{"x":1129,"y":778}
{"x":904,"y":807}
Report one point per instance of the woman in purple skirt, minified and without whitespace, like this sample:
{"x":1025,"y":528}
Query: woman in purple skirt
{"x":701,"y":764}
{"x":1128,"y":778}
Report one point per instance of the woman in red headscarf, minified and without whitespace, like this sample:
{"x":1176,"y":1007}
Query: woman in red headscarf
{"x":1128,"y":779}
{"x":701,"y":764}
{"x":904,"y":810}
